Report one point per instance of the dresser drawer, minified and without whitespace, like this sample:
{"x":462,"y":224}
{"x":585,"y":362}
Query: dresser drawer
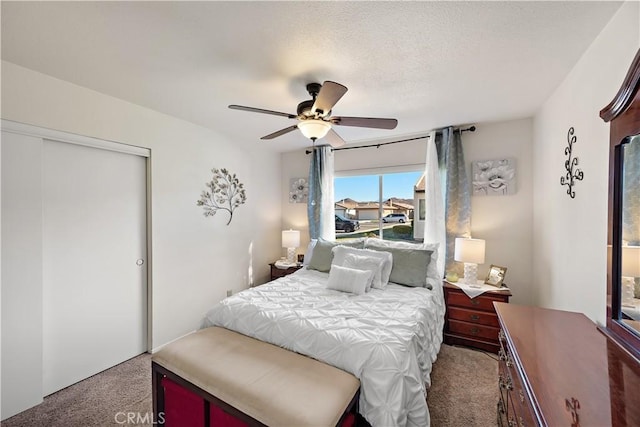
{"x":473,"y":316}
{"x":473,"y":330}
{"x":482,"y":302}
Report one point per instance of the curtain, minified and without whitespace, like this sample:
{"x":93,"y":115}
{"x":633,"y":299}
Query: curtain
{"x":453,"y":219}
{"x":320,"y":207}
{"x":434,"y":227}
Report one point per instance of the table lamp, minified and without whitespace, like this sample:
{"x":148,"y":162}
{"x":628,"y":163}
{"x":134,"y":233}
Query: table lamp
{"x":290,"y":240}
{"x":471,"y":252}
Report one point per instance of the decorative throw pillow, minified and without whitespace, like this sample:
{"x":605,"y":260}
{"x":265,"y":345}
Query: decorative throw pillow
{"x":410,"y":264}
{"x":371,"y":265}
{"x":322,"y":255}
{"x":347,"y":279}
{"x":383,"y":262}
{"x":309,"y":252}
{"x":433,"y":277}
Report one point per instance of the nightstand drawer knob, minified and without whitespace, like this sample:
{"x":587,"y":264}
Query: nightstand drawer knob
{"x":475,"y":302}
{"x":475,"y":317}
{"x":474,"y":331}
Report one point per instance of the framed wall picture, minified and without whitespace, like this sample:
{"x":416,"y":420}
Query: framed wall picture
{"x":494,"y":177}
{"x":298,"y":190}
{"x":495,"y":276}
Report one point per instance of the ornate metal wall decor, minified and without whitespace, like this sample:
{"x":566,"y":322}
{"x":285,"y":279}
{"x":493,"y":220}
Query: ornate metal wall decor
{"x":573,"y":173}
{"x":225,"y":193}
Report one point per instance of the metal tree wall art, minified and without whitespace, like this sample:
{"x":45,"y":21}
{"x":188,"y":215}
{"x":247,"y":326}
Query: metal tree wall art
{"x":225,"y":193}
{"x":573,"y":173}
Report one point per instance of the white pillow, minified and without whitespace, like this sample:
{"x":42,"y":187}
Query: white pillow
{"x":384,"y":260}
{"x":366,"y":264}
{"x":432,"y":268}
{"x":348,"y":279}
{"x":309,"y":253}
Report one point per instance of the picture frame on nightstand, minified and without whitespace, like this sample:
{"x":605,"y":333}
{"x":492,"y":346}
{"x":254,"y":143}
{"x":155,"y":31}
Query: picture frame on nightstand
{"x":495,"y":276}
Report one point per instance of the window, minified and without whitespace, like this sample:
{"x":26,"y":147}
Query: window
{"x":381,"y":205}
{"x":421,"y":209}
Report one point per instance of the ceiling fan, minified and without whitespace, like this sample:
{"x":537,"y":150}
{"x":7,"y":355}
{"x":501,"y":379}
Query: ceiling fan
{"x":314,"y":115}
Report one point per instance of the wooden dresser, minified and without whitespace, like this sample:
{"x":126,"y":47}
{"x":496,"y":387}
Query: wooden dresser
{"x":472,"y":322}
{"x":557,"y":369}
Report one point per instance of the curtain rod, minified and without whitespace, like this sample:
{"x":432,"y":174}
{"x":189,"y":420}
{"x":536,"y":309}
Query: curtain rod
{"x":469,"y":129}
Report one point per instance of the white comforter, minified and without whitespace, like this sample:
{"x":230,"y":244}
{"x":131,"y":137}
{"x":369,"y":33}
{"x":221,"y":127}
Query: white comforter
{"x":387,"y":338}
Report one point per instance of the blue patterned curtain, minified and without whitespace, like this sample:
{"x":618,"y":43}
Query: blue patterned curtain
{"x":456,"y":191}
{"x":321,"y":208}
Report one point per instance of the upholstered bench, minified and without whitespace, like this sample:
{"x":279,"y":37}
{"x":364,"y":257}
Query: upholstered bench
{"x":219,"y":377}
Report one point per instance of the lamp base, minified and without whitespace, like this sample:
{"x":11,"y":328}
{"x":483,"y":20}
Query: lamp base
{"x":628,"y":284}
{"x":470,"y":273}
{"x":291,"y":253}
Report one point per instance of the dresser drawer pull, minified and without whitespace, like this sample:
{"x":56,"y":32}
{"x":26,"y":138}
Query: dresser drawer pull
{"x":474,"y":317}
{"x":507,"y":385}
{"x":474,"y":331}
{"x":475,"y":302}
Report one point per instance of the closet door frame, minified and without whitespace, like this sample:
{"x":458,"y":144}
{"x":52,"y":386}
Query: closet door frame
{"x":71,"y":138}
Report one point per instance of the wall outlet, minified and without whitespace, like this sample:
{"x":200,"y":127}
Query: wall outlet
{"x":229,"y":292}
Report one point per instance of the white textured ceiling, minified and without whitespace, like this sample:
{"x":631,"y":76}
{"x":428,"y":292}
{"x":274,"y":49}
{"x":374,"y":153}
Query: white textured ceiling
{"x":428,"y":64}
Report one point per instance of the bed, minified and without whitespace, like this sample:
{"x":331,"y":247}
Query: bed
{"x":388,"y":336}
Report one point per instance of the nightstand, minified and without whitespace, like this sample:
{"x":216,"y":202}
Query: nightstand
{"x":472,"y":322}
{"x":281,"y":272}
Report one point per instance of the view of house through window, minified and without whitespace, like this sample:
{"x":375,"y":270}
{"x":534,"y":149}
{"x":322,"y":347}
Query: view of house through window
{"x":389,"y":205}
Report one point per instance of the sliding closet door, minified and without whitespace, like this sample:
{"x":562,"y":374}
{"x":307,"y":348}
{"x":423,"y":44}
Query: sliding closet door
{"x":94,"y":261}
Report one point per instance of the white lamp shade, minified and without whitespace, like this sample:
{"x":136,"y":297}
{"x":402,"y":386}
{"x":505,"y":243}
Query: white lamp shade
{"x":313,"y":128}
{"x":469,"y":250}
{"x":631,"y":261}
{"x":290,"y":238}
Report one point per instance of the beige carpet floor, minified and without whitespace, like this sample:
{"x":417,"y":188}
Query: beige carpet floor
{"x":463,"y":393}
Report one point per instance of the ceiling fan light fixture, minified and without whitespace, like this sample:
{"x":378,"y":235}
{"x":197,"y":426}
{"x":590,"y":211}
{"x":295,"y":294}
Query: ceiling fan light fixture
{"x":314,"y":128}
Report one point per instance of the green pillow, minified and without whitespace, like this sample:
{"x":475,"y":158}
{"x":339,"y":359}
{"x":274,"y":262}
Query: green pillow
{"x":409,"y":266}
{"x":322,"y":256}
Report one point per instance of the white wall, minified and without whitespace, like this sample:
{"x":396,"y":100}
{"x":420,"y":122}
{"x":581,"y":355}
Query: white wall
{"x":194,"y":259}
{"x":505,"y":222}
{"x":569,"y":252}
{"x":22,"y":308}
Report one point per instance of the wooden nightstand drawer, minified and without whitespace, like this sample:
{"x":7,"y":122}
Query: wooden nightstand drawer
{"x":483,"y":302}
{"x":473,"y":316}
{"x":276,"y":272}
{"x":473,"y":321}
{"x":473,"y":330}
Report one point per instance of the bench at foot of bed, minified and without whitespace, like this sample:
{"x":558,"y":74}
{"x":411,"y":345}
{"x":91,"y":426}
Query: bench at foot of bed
{"x":216,"y":377}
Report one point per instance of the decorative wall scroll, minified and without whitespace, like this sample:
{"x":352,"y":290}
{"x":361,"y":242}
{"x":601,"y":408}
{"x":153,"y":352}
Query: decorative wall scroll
{"x":573,"y":173}
{"x":225,"y":193}
{"x":298,"y":190}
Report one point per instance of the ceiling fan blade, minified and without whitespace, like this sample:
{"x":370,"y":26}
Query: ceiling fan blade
{"x":329,"y":94}
{"x":365,"y":122}
{"x":333,"y":139}
{"x":263,"y":111}
{"x":280,"y":132}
